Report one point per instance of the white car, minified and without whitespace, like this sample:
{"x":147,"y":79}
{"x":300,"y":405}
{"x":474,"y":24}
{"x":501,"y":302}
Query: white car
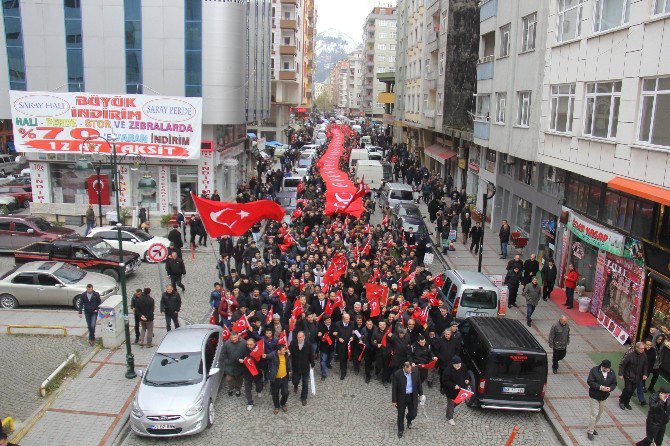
{"x":132,"y":239}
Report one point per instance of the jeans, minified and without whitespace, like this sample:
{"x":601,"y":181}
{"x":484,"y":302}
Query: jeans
{"x":171,"y":317}
{"x":557,"y":356}
{"x":546,"y":290}
{"x":89,"y":228}
{"x":640,"y":392}
{"x":503,"y":249}
{"x":596,"y":409}
{"x":234,"y":383}
{"x":530,"y":309}
{"x":304,"y":377}
{"x":570,"y":296}
{"x":450,"y":409}
{"x":654,"y":377}
{"x":91,"y":319}
{"x":474,"y":245}
{"x":175,"y":280}
{"x":137,"y":327}
{"x":276,"y":386}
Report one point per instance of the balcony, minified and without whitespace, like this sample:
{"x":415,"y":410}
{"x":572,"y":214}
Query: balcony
{"x":485,"y":68}
{"x":482,"y":128}
{"x":288,"y":50}
{"x":285,"y":75}
{"x":288,"y":24}
{"x":488,"y":10}
{"x":386,"y":98}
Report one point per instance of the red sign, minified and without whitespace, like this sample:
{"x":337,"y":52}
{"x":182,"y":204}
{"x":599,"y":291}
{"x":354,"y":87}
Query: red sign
{"x":93,"y":184}
{"x":301,"y":110}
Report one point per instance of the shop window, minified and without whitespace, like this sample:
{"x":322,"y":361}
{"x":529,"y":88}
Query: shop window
{"x":507,"y":165}
{"x":593,"y":203}
{"x":525,"y":172}
{"x":579,"y":193}
{"x":553,"y":181}
{"x":490,"y":163}
{"x":66,"y":186}
{"x":523,"y":215}
{"x":630,"y":214}
{"x":664,"y":237}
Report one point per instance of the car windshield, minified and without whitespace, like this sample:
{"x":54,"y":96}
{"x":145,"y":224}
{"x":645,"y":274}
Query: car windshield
{"x":69,"y":274}
{"x":481,"y":299}
{"x":411,"y":212}
{"x":291,"y":182}
{"x":101,"y":248}
{"x":142,"y":235}
{"x":517,"y":365}
{"x":174,"y":369}
{"x":42,"y":224}
{"x":402,"y":195}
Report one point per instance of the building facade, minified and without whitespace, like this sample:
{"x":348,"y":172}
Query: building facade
{"x":355,"y":82}
{"x":379,"y":54}
{"x":309,"y":41}
{"x":189,"y":48}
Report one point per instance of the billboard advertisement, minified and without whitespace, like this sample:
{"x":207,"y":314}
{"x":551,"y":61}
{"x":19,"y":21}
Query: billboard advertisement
{"x":152,"y":126}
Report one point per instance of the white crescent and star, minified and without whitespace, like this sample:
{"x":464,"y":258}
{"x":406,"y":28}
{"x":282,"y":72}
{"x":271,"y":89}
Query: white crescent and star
{"x":215,"y":215}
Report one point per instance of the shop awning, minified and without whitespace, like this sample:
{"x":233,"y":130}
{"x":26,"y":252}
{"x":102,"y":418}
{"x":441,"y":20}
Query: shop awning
{"x":639,"y":189}
{"x":439,"y":153}
{"x":273,"y":144}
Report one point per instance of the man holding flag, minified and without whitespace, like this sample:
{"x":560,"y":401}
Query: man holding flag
{"x":455,"y":385}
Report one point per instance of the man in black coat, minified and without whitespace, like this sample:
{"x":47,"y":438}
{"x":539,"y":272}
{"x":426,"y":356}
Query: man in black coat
{"x":447,"y":348}
{"x":657,"y":418}
{"x":601,"y":382}
{"x":90,"y":303}
{"x":175,"y":238}
{"x":145,"y":308}
{"x":175,"y":268}
{"x":530,"y":269}
{"x":632,"y":369}
{"x":170,"y":306}
{"x":344,"y":335}
{"x":504,"y":235}
{"x":512,"y":280}
{"x":405,"y":393}
{"x":455,"y":378}
{"x":301,"y":361}
{"x":476,"y":236}
{"x":549,"y":274}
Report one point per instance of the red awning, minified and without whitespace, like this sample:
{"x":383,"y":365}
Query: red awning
{"x":639,"y":189}
{"x":439,"y":153}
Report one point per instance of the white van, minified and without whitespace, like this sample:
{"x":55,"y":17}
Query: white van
{"x":469,"y":293}
{"x":394,"y":193}
{"x":357,"y":128}
{"x":291,"y":183}
{"x":365,"y":140}
{"x":357,"y":155}
{"x":371,"y":171}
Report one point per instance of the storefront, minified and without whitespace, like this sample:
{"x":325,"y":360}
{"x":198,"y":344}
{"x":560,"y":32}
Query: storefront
{"x":656,"y":304}
{"x":472,"y":182}
{"x":439,"y":159}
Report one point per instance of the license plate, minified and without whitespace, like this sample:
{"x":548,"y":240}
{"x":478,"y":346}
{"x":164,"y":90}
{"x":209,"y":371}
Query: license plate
{"x":160,"y":427}
{"x":475,"y":313}
{"x":513,"y":390}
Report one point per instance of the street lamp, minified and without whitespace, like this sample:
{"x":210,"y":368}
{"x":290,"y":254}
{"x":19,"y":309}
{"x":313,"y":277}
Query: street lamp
{"x":84,"y":167}
{"x":489,"y":194}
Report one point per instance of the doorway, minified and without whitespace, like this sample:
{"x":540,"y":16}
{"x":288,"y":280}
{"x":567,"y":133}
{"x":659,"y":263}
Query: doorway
{"x":187,"y":184}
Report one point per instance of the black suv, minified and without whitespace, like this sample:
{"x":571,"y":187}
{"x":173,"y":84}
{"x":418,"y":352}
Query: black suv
{"x":508,"y":367}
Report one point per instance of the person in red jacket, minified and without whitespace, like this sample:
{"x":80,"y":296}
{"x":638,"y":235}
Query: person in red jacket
{"x":570,"y":284}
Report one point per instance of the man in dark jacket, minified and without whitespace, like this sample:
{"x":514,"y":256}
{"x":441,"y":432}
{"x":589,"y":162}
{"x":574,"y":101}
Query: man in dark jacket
{"x":279,"y":369}
{"x":145,"y":308}
{"x":326,"y":344}
{"x":90,"y":303}
{"x":466,"y":224}
{"x":559,"y":338}
{"x":175,"y":268}
{"x":530,"y":269}
{"x":170,"y":306}
{"x":405,"y":393}
{"x":657,"y":418}
{"x":400,"y":348}
{"x":454,"y":379}
{"x":513,"y":280}
{"x":601,"y":382}
{"x":370,"y":337}
{"x":344,"y":335}
{"x":632,"y":369}
{"x":476,"y":235}
{"x":302,"y":361}
{"x":447,"y":348}
{"x":549,"y":273}
{"x":532,"y":293}
{"x":233,"y":352}
{"x":504,"y":234}
{"x":175,"y":238}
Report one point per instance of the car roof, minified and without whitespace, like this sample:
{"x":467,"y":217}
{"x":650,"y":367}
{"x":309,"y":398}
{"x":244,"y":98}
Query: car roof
{"x":412,"y":220}
{"x":39,"y":267}
{"x":369,"y":163}
{"x":506,"y":334}
{"x":188,"y":338}
{"x":407,"y":205}
{"x":399,"y":186}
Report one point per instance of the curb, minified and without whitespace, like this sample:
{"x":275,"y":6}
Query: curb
{"x":556,"y":426}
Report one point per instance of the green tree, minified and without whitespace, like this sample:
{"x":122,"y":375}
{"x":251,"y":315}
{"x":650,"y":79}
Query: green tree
{"x":324,"y":102}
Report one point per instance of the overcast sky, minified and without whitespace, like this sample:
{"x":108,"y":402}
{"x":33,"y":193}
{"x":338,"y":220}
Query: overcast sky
{"x":346,"y":16}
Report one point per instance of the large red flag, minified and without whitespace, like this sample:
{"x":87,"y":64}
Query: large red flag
{"x":360,"y":193}
{"x":258,"y":351}
{"x":439,"y":280}
{"x":251,"y":365}
{"x":241,"y":325}
{"x":223,"y":218}
{"x":336,"y":269}
{"x":375,"y":293}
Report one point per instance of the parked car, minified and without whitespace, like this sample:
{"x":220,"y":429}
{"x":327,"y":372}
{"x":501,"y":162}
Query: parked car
{"x":357,"y":155}
{"x":469,"y":293}
{"x":418,"y":226}
{"x":23,"y":193}
{"x":289,"y":201}
{"x":132,"y":239}
{"x":372,"y":172}
{"x":291,"y":183}
{"x":8,"y":164}
{"x":179,"y":387}
{"x":506,"y":364}
{"x":17,"y":232}
{"x":89,"y":253}
{"x":50,"y":283}
{"x":406,"y":209}
{"x":12,"y":203}
{"x":394,"y":193}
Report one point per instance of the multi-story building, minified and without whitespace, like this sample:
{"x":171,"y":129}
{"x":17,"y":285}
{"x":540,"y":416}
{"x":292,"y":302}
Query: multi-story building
{"x":337,"y":80}
{"x":355,"y":82}
{"x":308,"y":69}
{"x":379,"y":54}
{"x":176,"y":49}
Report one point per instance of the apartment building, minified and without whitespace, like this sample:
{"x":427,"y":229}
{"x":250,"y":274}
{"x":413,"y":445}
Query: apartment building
{"x":309,"y":41}
{"x":355,"y":82}
{"x":338,"y":83}
{"x":180,"y":49}
{"x":379,"y":53}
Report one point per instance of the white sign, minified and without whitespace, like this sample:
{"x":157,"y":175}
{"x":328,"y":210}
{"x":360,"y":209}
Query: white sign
{"x":153,"y":126}
{"x":429,"y":258}
{"x":157,"y":252}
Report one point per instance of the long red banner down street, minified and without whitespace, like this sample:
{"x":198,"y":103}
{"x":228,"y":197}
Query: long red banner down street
{"x":340,"y":189}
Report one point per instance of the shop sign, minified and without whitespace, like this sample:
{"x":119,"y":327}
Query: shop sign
{"x":163,"y":179}
{"x":124,"y":180}
{"x":152,"y":126}
{"x":38,"y":181}
{"x":633,"y":250}
{"x":596,"y":235}
{"x":206,"y":184}
{"x":473,"y":167}
{"x":618,"y":295}
{"x":461,"y":163}
{"x":549,"y":228}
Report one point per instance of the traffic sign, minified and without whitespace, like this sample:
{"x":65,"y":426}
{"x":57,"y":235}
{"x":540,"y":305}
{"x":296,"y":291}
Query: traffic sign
{"x":157,"y":252}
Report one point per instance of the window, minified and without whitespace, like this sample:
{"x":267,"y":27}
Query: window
{"x":524,"y":213}
{"x":529,"y":23}
{"x":490,"y":162}
{"x":504,"y":40}
{"x":569,"y":19}
{"x":602,"y":109}
{"x":501,"y":103}
{"x":632,"y":214}
{"x":552,"y":181}
{"x":562,"y":104}
{"x":526,"y":171}
{"x":381,"y":47}
{"x":441,"y":64}
{"x":439,"y":103}
{"x":24,"y":279}
{"x":11,"y":11}
{"x":73,"y":45}
{"x":584,"y":195}
{"x":133,"y":30}
{"x":661,"y":6}
{"x":523,"y":109}
{"x":392,"y":47}
{"x":609,"y":14}
{"x":47,"y":280}
{"x":382,"y":35}
{"x":654,"y":121}
{"x":507,"y":166}
{"x":483,"y":107}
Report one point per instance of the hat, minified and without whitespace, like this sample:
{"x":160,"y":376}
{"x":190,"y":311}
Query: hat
{"x":264,"y":307}
{"x":454,"y":323}
{"x":139,"y":290}
{"x":456,"y":359}
{"x":606,"y":363}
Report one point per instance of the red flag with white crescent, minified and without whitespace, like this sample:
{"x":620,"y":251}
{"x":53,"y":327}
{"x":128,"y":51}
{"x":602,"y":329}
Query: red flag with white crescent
{"x":225,"y":334}
{"x":428,"y":365}
{"x":223,"y":218}
{"x":251,"y":365}
{"x":385,"y":335}
{"x":283,"y":339}
{"x":241,"y":324}
{"x":439,"y":280}
{"x":258,"y":351}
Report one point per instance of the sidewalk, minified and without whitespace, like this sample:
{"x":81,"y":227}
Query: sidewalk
{"x":566,"y":400}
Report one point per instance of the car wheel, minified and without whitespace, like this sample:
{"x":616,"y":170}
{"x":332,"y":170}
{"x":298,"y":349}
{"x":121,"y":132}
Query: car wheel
{"x":76,"y":302}
{"x":8,"y":302}
{"x":26,"y":204}
{"x":114,"y":274}
{"x":472,"y":402}
{"x":210,"y":414}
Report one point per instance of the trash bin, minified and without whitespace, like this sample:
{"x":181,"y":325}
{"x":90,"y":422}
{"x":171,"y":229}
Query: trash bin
{"x":584,"y":304}
{"x":110,"y":317}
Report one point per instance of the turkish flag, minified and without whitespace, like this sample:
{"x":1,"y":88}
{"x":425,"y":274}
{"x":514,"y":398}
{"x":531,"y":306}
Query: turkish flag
{"x":291,"y":324}
{"x":360,"y":357}
{"x":388,"y":330}
{"x":339,"y":300}
{"x":366,"y":248}
{"x":410,"y":277}
{"x":297,"y":311}
{"x":375,"y":293}
{"x":251,"y":365}
{"x":428,"y":365}
{"x":439,"y":280}
{"x":241,"y":324}
{"x":225,"y":335}
{"x":93,"y":185}
{"x":326,"y":338}
{"x":282,"y":338}
{"x":287,"y":242}
{"x":463,"y":394}
{"x":385,"y":221}
{"x":421,"y":316}
{"x":258,"y":351}
{"x":360,"y":193}
{"x":223,"y":218}
{"x":373,"y":304}
{"x":281,"y":294}
{"x":336,"y":269}
{"x":268,"y":319}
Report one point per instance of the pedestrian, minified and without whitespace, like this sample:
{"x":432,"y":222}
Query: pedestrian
{"x":170,"y":306}
{"x":513,"y":280}
{"x":145,"y":308}
{"x":233,"y":353}
{"x":532,"y":292}
{"x":530,"y":269}
{"x":406,"y":390}
{"x":90,"y":220}
{"x":344,"y":335}
{"x":548,"y":273}
{"x":175,"y":238}
{"x":142,"y":216}
{"x":455,"y":378}
{"x":215,"y":196}
{"x":326,"y":344}
{"x":476,"y":235}
{"x":279,"y":369}
{"x":466,"y":224}
{"x":559,"y":338}
{"x":632,"y":369}
{"x":180,"y":219}
{"x":175,"y":268}
{"x":136,"y":314}
{"x":659,"y":346}
{"x":601,"y":382}
{"x":251,"y":380}
{"x":90,"y":304}
{"x":302,"y":361}
{"x":657,"y":418}
{"x":504,"y":234}
{"x":571,"y":278}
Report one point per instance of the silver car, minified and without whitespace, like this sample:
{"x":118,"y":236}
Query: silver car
{"x":178,"y":389}
{"x":50,"y":283}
